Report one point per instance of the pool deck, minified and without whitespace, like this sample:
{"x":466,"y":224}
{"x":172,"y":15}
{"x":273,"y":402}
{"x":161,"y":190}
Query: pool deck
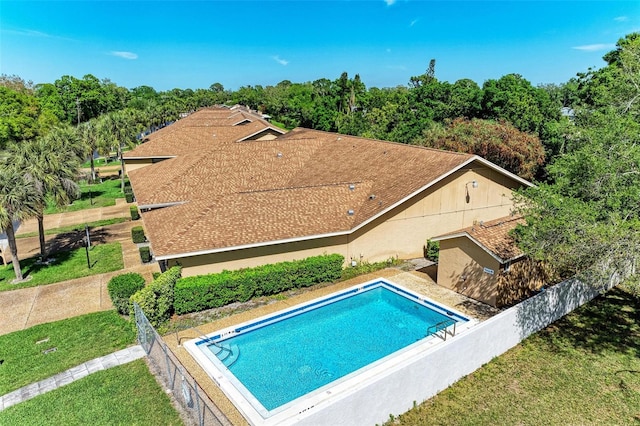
{"x":416,"y":281}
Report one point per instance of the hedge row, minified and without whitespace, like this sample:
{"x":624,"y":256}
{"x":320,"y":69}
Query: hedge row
{"x":201,"y":292}
{"x":121,"y":287}
{"x":156,"y":299}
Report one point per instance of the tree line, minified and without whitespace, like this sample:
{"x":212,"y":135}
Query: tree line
{"x":576,"y":139}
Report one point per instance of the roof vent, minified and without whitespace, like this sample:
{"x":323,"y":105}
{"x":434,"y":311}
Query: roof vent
{"x":350,"y":212}
{"x":339,"y":138}
{"x":279,"y":155}
{"x":352,"y":186}
{"x":372,"y":196}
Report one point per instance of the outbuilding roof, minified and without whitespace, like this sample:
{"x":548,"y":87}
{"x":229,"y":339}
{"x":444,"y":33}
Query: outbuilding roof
{"x":492,"y":236}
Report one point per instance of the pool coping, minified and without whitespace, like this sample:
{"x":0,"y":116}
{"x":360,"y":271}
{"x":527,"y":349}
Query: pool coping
{"x":322,"y":397}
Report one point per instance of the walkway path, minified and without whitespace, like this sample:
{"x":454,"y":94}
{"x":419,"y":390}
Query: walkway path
{"x":112,"y":360}
{"x":24,"y":308}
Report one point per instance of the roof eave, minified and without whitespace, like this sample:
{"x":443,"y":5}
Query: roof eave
{"x":249,"y":246}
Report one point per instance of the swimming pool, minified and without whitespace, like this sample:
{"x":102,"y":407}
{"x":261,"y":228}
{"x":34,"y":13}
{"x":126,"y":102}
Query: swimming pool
{"x":279,"y":363}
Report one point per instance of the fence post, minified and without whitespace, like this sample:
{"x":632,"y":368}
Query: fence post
{"x":200,"y":413}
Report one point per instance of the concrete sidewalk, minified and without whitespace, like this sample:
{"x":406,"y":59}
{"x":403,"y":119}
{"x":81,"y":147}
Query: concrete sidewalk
{"x":58,"y":220}
{"x":112,"y":360}
{"x":26,"y":307}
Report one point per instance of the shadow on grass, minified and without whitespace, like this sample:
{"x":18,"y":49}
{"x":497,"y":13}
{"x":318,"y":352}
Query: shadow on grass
{"x":90,"y":196}
{"x":75,"y":239}
{"x":610,"y":322}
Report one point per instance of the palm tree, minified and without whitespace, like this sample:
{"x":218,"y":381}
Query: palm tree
{"x":51,"y":163}
{"x":88,"y":133}
{"x":119,"y":129}
{"x":17,"y":202}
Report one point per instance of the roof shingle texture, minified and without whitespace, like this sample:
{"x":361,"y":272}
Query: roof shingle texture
{"x":494,"y":236}
{"x":304,"y":183}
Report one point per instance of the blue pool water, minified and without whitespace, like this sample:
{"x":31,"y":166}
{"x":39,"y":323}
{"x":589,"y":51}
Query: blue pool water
{"x":289,"y":358}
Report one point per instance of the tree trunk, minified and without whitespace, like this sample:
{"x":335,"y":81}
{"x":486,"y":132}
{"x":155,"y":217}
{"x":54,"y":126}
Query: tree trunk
{"x":93,"y":169}
{"x":13,"y":247}
{"x":43,"y":249}
{"x":121,"y":169}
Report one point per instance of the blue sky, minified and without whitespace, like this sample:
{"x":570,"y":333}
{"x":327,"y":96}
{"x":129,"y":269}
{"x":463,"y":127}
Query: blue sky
{"x":184,"y":44}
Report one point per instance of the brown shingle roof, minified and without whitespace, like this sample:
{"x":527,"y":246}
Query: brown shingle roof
{"x":493,"y":236}
{"x":299,"y":185}
{"x":201,"y":131}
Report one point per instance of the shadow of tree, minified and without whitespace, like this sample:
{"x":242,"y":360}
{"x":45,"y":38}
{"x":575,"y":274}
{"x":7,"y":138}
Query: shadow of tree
{"x":610,"y":322}
{"x":75,"y":239}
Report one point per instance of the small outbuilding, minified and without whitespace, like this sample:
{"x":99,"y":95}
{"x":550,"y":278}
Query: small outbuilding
{"x":484,"y":263}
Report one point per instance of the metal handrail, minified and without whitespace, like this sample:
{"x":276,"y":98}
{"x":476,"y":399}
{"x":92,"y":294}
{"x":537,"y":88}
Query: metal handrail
{"x":442,"y":326}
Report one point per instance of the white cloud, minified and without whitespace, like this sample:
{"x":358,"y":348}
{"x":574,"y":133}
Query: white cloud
{"x":415,"y":21}
{"x":282,"y":62}
{"x":594,"y":47}
{"x":125,"y":55}
{"x":621,"y":19}
{"x":33,"y":33}
{"x":389,"y":2}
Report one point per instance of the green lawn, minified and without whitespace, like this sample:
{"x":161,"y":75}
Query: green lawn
{"x":582,"y":370}
{"x":123,"y":395}
{"x":101,"y":162}
{"x":93,"y":195}
{"x":75,"y":228}
{"x":66,"y":266}
{"x":77,"y":340}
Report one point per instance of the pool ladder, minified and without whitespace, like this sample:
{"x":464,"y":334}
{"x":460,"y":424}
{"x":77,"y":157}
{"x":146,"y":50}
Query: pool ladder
{"x":443,"y":327}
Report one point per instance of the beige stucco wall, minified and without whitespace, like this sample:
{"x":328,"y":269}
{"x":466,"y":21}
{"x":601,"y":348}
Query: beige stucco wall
{"x":450,"y":205}
{"x":461,"y":267}
{"x":237,"y":259}
{"x":443,"y":208}
{"x":136,"y":164}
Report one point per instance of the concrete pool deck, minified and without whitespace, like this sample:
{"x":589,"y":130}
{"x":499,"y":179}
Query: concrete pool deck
{"x":414,"y":280}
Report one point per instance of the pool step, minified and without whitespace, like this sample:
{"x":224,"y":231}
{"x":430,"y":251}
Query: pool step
{"x":226,"y":353}
{"x":232,"y":357}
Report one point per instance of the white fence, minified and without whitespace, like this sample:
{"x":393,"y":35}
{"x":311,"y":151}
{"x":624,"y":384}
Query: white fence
{"x":437,"y":368}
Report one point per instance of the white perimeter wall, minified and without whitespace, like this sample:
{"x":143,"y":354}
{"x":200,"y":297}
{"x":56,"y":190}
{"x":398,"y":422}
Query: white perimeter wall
{"x":437,"y":368}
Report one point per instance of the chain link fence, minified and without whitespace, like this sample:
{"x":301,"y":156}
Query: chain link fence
{"x":194,"y":401}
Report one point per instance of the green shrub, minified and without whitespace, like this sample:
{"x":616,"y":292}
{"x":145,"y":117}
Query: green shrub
{"x":121,"y":287}
{"x":129,"y":197}
{"x":366,"y":267}
{"x":145,"y":254}
{"x":135,"y":214}
{"x":156,"y":299}
{"x":432,"y":250}
{"x":137,"y":234}
{"x":201,"y":292}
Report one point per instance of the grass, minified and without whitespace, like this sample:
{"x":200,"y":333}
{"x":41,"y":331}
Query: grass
{"x":100,"y":162}
{"x":95,"y":195}
{"x":583,"y":370}
{"x":67,"y":265}
{"x":123,"y":395}
{"x":75,"y":228}
{"x":77,"y":340}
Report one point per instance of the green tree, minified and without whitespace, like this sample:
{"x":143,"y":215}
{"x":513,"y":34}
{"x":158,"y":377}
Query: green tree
{"x":51,"y":163}
{"x":19,"y":112}
{"x":17,"y":202}
{"x":118,"y":130}
{"x":585,"y":220}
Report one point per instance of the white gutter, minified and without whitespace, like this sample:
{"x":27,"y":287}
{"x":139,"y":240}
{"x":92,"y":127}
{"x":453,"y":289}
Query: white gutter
{"x":165,"y":157}
{"x":157,"y":206}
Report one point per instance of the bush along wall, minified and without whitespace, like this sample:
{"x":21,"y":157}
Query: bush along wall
{"x":145,"y":254}
{"x":201,"y":292}
{"x":135,"y":214}
{"x":137,"y":234}
{"x":156,"y":299}
{"x":122,"y":287}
